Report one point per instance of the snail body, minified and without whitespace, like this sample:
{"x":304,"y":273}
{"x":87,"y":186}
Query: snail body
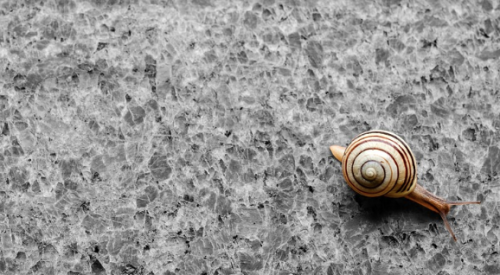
{"x":380,"y":163}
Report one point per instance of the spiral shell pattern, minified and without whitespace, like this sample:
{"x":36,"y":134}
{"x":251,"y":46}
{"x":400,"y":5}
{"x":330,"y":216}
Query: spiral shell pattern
{"x":379,"y":163}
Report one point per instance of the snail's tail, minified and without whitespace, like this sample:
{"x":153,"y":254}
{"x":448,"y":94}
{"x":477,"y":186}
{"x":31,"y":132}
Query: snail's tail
{"x":337,"y":151}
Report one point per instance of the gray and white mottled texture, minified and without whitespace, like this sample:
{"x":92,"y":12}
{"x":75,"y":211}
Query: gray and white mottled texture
{"x":191,"y":137}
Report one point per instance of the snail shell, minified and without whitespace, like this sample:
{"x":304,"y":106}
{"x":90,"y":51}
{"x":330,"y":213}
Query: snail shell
{"x":379,"y":163}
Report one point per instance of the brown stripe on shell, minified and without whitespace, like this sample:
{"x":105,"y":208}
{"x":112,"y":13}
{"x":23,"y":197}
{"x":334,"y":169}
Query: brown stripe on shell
{"x":410,"y":158}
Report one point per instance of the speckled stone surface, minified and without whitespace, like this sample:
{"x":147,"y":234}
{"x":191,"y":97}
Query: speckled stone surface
{"x":191,"y":137}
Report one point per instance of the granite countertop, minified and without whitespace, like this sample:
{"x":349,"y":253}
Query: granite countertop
{"x":191,"y":137}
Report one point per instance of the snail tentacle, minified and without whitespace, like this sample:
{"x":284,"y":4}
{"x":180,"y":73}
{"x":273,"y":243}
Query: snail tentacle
{"x":462,"y":202}
{"x":447,"y":225}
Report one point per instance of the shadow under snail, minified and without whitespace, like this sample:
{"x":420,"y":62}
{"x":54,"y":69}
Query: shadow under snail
{"x":379,"y":163}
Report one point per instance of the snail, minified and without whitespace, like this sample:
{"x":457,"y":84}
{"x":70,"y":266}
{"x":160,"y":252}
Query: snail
{"x":380,"y":163}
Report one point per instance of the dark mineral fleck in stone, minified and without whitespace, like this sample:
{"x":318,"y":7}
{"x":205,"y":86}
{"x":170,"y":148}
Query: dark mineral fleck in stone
{"x":315,"y":53}
{"x":150,"y":194}
{"x":97,"y":268}
{"x":437,"y":262}
{"x":491,"y":164}
{"x":439,"y":110}
{"x":250,"y":20}
{"x":250,"y":263}
{"x":381,"y":56}
{"x":492,"y":269}
{"x":486,"y":54}
{"x":159,"y":167}
{"x":135,"y":115}
{"x":101,"y":46}
{"x":288,"y":162}
{"x":402,"y":104}
{"x":18,"y":176}
{"x":469,"y":134}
